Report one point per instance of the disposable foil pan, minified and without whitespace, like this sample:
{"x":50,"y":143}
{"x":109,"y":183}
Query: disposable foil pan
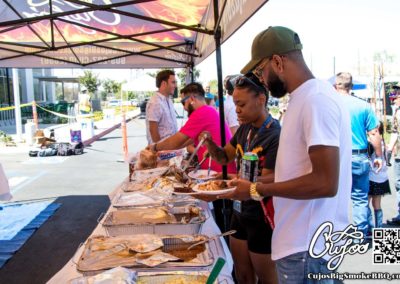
{"x":131,"y":228}
{"x":90,"y":261}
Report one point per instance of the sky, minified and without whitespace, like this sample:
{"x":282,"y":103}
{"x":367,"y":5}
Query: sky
{"x":348,"y":32}
{"x":337,"y":35}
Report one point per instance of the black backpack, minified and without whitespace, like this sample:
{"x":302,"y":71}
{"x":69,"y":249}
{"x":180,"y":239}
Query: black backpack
{"x":77,"y":148}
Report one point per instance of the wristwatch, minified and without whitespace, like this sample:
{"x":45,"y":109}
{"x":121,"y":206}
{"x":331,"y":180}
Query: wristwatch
{"x":254,"y":193}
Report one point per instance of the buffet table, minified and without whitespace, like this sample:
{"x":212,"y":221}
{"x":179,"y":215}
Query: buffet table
{"x":218,"y":248}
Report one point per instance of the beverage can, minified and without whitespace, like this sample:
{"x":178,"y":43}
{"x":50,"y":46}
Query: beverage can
{"x":249,"y":167}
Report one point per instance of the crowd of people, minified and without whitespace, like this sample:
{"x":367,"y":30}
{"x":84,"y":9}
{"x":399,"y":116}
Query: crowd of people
{"x":329,"y":151}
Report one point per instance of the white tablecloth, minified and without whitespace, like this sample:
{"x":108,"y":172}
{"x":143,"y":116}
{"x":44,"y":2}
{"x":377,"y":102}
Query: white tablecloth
{"x":218,"y":249}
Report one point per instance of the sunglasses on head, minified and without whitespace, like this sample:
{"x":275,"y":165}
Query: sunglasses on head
{"x":243,"y":81}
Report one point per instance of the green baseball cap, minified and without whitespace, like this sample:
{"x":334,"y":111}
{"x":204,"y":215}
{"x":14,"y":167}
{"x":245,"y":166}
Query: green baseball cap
{"x":274,"y":40}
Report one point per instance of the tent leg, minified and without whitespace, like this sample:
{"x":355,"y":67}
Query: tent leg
{"x":226,"y":209}
{"x":18,"y":119}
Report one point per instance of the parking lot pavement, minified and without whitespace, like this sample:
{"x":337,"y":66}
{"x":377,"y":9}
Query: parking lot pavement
{"x":62,"y":132}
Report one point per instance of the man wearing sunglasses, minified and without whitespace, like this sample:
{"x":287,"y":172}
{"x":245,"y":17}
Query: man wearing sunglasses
{"x":201,"y":118}
{"x":313,"y":168}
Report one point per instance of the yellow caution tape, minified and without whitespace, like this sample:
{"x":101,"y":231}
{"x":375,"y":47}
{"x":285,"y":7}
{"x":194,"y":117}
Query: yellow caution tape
{"x":64,"y":115}
{"x":13,"y":107}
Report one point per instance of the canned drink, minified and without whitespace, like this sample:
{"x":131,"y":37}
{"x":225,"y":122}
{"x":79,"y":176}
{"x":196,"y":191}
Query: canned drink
{"x":249,"y":168}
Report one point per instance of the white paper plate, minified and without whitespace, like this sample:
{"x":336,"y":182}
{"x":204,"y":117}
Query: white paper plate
{"x":184,"y":193}
{"x":212,"y":192}
{"x":202,"y":175}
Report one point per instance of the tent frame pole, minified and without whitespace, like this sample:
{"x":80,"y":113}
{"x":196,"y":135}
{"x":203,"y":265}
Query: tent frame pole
{"x":217,"y":36}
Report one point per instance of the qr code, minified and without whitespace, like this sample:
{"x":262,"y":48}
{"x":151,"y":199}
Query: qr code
{"x":386,"y":246}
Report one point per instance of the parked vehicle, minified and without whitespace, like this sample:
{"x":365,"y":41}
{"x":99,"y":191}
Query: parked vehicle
{"x":134,"y":103}
{"x":112,"y":103}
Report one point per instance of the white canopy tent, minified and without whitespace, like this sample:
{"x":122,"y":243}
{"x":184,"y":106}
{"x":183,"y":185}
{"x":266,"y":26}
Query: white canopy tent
{"x":141,"y":84}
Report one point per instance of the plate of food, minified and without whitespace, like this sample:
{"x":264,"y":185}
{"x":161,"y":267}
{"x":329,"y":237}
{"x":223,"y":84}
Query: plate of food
{"x":203,"y":175}
{"x":213,"y":187}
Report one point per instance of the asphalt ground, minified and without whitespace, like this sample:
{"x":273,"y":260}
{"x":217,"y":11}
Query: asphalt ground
{"x":98,"y":171}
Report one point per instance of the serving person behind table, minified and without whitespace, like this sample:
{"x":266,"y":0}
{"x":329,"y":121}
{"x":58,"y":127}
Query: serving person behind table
{"x":201,"y":118}
{"x":313,"y":166}
{"x":258,"y":133}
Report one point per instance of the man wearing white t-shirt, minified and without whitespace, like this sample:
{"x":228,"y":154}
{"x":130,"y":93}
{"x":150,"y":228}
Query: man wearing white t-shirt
{"x":313,"y":167}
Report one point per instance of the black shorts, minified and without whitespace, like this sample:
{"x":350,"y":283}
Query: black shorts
{"x":256,"y":232}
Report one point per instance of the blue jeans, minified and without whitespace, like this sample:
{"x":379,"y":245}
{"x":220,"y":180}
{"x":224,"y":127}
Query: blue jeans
{"x":295,"y":268}
{"x":359,"y":191}
{"x":397,"y":182}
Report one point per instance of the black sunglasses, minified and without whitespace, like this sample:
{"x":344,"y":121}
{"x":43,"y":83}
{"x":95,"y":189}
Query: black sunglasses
{"x":243,"y":81}
{"x":184,"y":100}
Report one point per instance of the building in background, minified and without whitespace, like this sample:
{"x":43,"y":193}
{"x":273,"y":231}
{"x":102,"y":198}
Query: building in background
{"x":31,"y":87}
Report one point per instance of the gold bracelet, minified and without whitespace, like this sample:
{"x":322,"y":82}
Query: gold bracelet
{"x":254,"y":193}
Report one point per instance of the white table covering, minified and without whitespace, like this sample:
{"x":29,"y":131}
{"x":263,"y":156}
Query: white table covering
{"x":218,"y":248}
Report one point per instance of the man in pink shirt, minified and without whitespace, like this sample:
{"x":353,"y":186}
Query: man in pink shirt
{"x":201,"y":118}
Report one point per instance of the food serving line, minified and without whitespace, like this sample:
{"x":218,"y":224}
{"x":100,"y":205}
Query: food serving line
{"x":152,"y":221}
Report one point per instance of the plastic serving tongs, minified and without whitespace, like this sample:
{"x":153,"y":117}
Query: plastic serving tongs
{"x":201,"y":162}
{"x":212,"y":238}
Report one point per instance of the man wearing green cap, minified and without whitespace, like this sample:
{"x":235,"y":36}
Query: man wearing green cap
{"x":313,"y":168}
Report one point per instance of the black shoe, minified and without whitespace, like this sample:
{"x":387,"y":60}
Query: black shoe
{"x":395,"y":221}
